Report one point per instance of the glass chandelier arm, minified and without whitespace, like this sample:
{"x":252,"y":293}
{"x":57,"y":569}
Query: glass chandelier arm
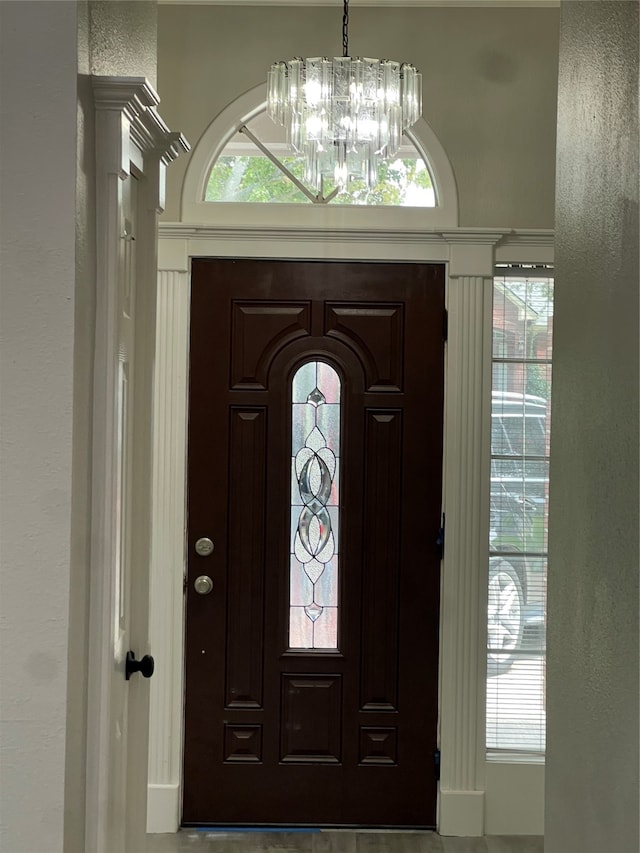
{"x":244,"y":129}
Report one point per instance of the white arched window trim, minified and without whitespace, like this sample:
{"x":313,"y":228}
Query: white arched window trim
{"x":196,"y":211}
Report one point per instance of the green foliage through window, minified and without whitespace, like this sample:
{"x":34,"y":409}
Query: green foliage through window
{"x":402,"y":182}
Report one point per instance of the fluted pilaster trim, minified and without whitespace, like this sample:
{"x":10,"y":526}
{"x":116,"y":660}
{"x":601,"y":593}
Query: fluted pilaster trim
{"x":167,"y":572}
{"x":464,"y":588}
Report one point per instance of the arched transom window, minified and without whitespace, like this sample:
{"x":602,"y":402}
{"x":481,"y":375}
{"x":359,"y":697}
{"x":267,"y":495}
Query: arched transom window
{"x":257,"y":165}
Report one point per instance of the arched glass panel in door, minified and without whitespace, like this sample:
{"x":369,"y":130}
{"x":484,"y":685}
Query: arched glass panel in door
{"x":315,"y":505}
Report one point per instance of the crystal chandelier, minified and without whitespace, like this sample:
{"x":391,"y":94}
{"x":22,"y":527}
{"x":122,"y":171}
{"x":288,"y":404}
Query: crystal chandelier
{"x":344,"y":115}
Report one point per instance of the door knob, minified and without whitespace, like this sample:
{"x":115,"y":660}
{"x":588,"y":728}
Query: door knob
{"x":203,"y":585}
{"x":144,"y":666}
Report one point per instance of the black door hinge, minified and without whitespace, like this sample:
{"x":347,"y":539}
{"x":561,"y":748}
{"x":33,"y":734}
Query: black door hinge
{"x":184,"y":583}
{"x":436,"y":764}
{"x":440,"y":539}
{"x":445,"y":326}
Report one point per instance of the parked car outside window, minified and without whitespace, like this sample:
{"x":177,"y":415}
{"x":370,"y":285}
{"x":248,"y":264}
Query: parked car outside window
{"x":518,"y":527}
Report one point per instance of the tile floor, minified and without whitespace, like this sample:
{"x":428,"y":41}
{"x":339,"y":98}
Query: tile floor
{"x":337,"y":841}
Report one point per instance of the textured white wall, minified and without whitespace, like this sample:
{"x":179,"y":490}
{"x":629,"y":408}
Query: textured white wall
{"x":489,"y":85}
{"x":124,"y":36}
{"x":592,"y":695}
{"x":38,"y":121}
{"x":81,"y":465}
{"x":47,"y":308}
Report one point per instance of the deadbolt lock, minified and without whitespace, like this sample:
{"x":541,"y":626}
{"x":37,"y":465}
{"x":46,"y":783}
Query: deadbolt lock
{"x":204,"y":547}
{"x":203,"y":585}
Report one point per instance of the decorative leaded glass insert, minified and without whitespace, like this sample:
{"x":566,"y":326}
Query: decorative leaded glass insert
{"x":315,"y":500}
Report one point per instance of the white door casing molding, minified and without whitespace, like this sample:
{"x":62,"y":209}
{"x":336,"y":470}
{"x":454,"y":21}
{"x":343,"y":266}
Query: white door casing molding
{"x":130,"y":135}
{"x":470,"y":255}
{"x":466,"y":507}
{"x":168,"y":556}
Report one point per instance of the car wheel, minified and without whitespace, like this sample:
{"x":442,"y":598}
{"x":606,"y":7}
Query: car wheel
{"x":505,"y":616}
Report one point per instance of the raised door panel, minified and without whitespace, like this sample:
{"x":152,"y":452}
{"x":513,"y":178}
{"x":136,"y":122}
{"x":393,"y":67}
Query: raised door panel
{"x":258,"y":331}
{"x":375,"y":332}
{"x":245,"y":639}
{"x":381,"y":560}
{"x":311,"y":722}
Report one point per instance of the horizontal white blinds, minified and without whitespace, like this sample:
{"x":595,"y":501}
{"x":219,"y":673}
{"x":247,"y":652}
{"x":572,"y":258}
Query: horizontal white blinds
{"x":520,"y":422}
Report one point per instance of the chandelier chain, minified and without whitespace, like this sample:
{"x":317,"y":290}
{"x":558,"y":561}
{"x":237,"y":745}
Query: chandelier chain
{"x":345,"y":29}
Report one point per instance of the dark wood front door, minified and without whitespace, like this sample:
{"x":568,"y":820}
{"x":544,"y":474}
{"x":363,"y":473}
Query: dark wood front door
{"x":315,"y":468}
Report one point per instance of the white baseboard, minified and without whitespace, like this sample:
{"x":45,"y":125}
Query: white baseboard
{"x":514,"y":799}
{"x":163,"y":808}
{"x":461,"y":813}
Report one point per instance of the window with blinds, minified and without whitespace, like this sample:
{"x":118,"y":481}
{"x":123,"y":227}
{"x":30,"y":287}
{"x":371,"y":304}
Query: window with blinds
{"x":520,"y":422}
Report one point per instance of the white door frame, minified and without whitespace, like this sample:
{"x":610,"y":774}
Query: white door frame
{"x":470,"y":256}
{"x":130,"y":135}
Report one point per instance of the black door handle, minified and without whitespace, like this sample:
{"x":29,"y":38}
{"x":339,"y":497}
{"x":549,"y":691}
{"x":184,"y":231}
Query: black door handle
{"x":145,"y":666}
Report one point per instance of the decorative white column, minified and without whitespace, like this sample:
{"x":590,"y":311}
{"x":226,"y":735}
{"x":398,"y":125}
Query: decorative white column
{"x":466,"y":506}
{"x":131,"y":140}
{"x":168,"y":536}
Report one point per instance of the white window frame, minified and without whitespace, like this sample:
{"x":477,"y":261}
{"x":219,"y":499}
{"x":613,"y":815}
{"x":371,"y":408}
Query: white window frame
{"x":256,"y":147}
{"x":522,"y":272}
